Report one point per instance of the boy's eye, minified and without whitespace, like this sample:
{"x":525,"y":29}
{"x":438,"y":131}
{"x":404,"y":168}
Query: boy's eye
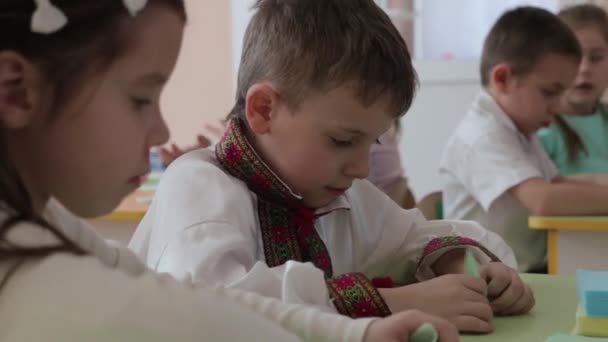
{"x":140,"y":103}
{"x":550,"y":93}
{"x":342,"y":143}
{"x":596,"y":58}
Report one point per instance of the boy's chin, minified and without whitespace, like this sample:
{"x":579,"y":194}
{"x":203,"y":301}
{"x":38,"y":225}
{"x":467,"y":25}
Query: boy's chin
{"x":319,"y":202}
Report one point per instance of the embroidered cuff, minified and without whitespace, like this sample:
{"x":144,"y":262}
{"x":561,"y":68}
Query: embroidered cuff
{"x":439,"y":246}
{"x":454,"y":241}
{"x":354,"y":295}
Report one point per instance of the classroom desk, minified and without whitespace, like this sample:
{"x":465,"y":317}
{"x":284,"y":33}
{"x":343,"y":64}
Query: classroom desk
{"x":554,"y":313}
{"x":574,"y":242}
{"x":122,"y":222}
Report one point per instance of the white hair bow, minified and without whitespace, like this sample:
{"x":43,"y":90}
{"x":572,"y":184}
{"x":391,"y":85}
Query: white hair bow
{"x":134,"y":6}
{"x":48,"y":19}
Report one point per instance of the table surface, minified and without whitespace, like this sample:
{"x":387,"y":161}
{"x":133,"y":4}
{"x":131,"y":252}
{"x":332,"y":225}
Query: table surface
{"x":131,"y":208}
{"x":583,"y":223}
{"x":554,"y":313}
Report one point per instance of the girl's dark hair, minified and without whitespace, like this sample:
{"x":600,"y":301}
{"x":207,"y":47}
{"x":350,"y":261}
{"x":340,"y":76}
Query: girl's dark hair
{"x":95,"y":35}
{"x":573,"y":142}
{"x":576,"y":17}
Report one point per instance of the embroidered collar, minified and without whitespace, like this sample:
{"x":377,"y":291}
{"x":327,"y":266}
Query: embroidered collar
{"x":287,"y":226}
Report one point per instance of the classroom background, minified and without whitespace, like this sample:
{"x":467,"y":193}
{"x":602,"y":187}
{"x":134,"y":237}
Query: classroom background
{"x":445,"y":38}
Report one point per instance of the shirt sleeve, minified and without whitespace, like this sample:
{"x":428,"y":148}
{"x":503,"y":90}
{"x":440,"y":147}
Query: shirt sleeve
{"x":405,"y":245}
{"x":491,"y":166}
{"x":102,"y":304}
{"x":110,"y":253}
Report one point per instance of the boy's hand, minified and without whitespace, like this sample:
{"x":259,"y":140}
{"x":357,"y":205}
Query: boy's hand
{"x":168,"y":155}
{"x":508,"y":294}
{"x":459,"y":298}
{"x":400,"y":326}
{"x":214,"y":132}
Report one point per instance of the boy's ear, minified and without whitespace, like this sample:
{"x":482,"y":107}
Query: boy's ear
{"x":261,"y":103}
{"x":19,"y":90}
{"x":501,"y":77}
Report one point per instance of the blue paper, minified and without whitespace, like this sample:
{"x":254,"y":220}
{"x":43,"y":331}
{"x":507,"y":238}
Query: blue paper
{"x":592,"y":289}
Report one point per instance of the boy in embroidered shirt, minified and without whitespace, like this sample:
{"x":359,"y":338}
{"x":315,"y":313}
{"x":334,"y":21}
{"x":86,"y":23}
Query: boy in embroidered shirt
{"x":494,"y":169}
{"x":281,"y":208}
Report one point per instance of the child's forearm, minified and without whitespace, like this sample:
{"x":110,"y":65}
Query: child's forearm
{"x":562,"y":198}
{"x":307,"y":322}
{"x":585,"y":178}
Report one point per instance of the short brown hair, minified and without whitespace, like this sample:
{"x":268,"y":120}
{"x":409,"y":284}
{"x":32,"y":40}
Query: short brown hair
{"x":585,"y":15}
{"x":522,"y":36}
{"x":306,"y":46}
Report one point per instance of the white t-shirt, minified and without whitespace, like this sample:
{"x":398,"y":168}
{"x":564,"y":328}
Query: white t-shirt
{"x":203,"y":225}
{"x":111,"y":296}
{"x":484,"y":158}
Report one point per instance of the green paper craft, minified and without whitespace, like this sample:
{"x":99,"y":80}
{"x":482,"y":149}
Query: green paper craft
{"x":470,"y":263}
{"x":425,"y":333}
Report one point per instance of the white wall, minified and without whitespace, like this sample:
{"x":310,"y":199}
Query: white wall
{"x":240,"y":11}
{"x":200,"y":89}
{"x":446,"y":92}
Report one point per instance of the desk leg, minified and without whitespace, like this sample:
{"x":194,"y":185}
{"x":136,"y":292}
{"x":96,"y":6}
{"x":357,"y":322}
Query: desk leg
{"x":552,"y":252}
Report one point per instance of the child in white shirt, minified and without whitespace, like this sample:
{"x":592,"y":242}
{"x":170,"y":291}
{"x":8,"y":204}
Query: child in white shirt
{"x":493,"y":169}
{"x":280,"y":206}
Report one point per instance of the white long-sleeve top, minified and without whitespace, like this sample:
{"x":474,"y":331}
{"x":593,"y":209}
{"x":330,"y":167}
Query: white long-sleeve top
{"x":111,"y":296}
{"x":203,"y":225}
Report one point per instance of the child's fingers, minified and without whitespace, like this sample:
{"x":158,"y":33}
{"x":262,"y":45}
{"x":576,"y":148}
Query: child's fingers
{"x":522,"y":305}
{"x":478,"y":310}
{"x":475,"y":297}
{"x":216,"y":129}
{"x":472,"y":324}
{"x":446,"y":331}
{"x":499,"y":280}
{"x":514,"y":292}
{"x":163,"y":151}
{"x":474,"y":284}
{"x":175,"y":150}
{"x":531,"y":301}
{"x":203,"y":141}
{"x":165,"y":156}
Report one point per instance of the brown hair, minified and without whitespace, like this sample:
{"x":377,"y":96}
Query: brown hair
{"x":577,"y":17}
{"x":307,"y":46}
{"x":96,"y":34}
{"x":521,"y":37}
